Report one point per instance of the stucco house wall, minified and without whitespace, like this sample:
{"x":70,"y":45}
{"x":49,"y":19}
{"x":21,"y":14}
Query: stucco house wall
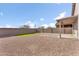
{"x":76,"y":9}
{"x":75,"y":29}
{"x":75,"y":26}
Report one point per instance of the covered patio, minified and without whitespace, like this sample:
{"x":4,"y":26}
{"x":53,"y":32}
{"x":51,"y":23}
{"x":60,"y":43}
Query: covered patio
{"x":67,"y":22}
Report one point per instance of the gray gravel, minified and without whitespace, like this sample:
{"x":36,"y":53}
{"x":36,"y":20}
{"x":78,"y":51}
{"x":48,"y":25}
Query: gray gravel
{"x":41,"y":44}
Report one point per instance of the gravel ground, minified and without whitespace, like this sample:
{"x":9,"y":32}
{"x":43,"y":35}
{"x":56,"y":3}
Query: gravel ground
{"x":41,"y":44}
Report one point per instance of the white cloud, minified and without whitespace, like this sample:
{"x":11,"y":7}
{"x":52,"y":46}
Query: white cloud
{"x":45,"y":25}
{"x":52,"y":24}
{"x":7,"y":26}
{"x":1,"y":26}
{"x":30,"y":24}
{"x":1,"y":13}
{"x":42,"y":19}
{"x":61,"y":15}
{"x":48,"y":25}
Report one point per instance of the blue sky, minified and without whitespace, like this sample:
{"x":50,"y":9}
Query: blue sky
{"x":39,"y":14}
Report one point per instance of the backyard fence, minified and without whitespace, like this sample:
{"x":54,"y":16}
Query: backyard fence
{"x":4,"y":32}
{"x":57,"y":30}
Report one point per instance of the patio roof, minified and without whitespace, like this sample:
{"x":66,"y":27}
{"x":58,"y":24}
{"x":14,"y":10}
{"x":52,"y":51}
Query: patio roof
{"x":67,"y":20}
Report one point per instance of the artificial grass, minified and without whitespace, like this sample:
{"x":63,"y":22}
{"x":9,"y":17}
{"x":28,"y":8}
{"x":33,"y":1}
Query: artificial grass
{"x":25,"y":34}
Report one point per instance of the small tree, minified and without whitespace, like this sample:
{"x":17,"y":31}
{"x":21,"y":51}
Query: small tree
{"x":42,"y":28}
{"x":25,"y":26}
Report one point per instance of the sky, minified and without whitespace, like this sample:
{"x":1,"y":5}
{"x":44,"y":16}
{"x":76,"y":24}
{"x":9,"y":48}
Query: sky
{"x":33,"y":14}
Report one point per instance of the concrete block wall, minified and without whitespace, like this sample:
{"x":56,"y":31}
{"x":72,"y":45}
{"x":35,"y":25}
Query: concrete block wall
{"x":56,"y":30}
{"x":4,"y":32}
{"x":63,"y":30}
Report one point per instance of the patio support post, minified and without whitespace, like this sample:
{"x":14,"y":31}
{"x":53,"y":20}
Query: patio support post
{"x":78,"y":26}
{"x":72,"y":28}
{"x":78,"y":22}
{"x":60,"y":29}
{"x":63,"y":27}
